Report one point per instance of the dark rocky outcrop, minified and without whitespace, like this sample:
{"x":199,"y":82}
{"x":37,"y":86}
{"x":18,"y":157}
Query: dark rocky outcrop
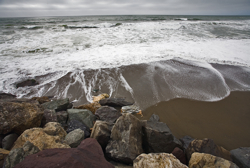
{"x":75,"y":124}
{"x":7,"y":96}
{"x":83,"y":115}
{"x":48,"y":116}
{"x":91,"y":107}
{"x":115,"y":102}
{"x":126,"y":139}
{"x":29,"y":82}
{"x":74,"y":138}
{"x":17,"y":155}
{"x":58,"y":105}
{"x":1,"y":139}
{"x":8,"y":141}
{"x":241,"y":157}
{"x":179,"y":154}
{"x":62,"y":118}
{"x":207,"y":146}
{"x":207,"y":160}
{"x":109,"y":114}
{"x":87,"y":155}
{"x":157,"y":137}
{"x":18,"y":115}
{"x":101,"y":132}
{"x":157,"y":160}
{"x":154,"y":118}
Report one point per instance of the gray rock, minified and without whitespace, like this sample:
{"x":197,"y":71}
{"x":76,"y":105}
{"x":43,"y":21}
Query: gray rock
{"x":101,"y":132}
{"x":83,"y":115}
{"x":57,"y":105}
{"x":154,"y":118}
{"x":241,"y":157}
{"x":75,"y":124}
{"x":186,"y":140}
{"x":157,"y":138}
{"x":17,"y":155}
{"x":8,"y":141}
{"x":48,"y":116}
{"x":126,"y":139}
{"x":74,"y":138}
{"x":109,"y":114}
{"x":62,"y":118}
{"x":115,"y":102}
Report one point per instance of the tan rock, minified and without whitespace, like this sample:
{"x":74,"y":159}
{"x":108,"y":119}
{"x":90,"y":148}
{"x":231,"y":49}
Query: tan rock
{"x":41,"y":100}
{"x":91,"y":107}
{"x":159,"y":160}
{"x":3,"y":154}
{"x":206,"y":160}
{"x":19,"y":116}
{"x":49,"y":137}
{"x":100,"y":97}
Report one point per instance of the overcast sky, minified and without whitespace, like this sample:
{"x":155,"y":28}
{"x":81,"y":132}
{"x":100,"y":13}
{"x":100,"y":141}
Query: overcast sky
{"x":22,"y":8}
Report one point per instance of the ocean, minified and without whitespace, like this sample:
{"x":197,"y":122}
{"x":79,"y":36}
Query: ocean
{"x":145,"y":59}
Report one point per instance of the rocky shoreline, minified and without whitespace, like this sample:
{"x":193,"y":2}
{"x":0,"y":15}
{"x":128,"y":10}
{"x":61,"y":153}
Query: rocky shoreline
{"x":44,"y":132}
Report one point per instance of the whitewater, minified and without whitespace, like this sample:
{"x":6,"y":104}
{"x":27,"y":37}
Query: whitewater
{"x":146,"y":59}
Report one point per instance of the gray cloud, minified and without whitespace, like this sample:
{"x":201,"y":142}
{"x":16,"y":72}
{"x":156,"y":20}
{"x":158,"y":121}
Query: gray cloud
{"x":12,"y":8}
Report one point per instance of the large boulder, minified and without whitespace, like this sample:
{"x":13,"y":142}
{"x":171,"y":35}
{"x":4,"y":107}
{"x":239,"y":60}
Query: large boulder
{"x":101,"y":132}
{"x":17,"y":116}
{"x":109,"y":114}
{"x":48,"y":116}
{"x":50,"y":137}
{"x":58,"y":105}
{"x":161,"y":160}
{"x":207,"y":146}
{"x":83,"y":115}
{"x":91,"y":107}
{"x":74,"y":138}
{"x":3,"y":154}
{"x":157,"y":137}
{"x":62,"y":117}
{"x":115,"y":102}
{"x":206,"y":160}
{"x":241,"y":157}
{"x":9,"y":140}
{"x":75,"y":124}
{"x":87,"y":154}
{"x":126,"y":139}
{"x":17,"y":155}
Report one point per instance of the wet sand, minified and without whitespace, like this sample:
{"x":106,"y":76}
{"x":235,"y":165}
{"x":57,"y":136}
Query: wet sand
{"x":227,"y":121}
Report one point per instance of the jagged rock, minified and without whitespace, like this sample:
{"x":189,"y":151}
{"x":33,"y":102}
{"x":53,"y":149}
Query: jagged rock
{"x":91,"y":107}
{"x":82,"y":115}
{"x":62,"y":118}
{"x":207,"y":146}
{"x":241,"y":157}
{"x":75,"y":124}
{"x":48,"y":116}
{"x":115,"y":102}
{"x":109,"y":114}
{"x":58,"y":105}
{"x":160,"y":160}
{"x":180,"y":155}
{"x":8,"y":141}
{"x":206,"y":160}
{"x":3,"y":154}
{"x":17,"y":155}
{"x":186,"y":140}
{"x":50,"y":137}
{"x":87,"y":155}
{"x":19,"y":115}
{"x":157,"y":138}
{"x":74,"y":138}
{"x":100,"y":97}
{"x":29,"y":82}
{"x":7,"y":96}
{"x":101,"y":132}
{"x":126,"y":139}
{"x":154,"y":118}
{"x":41,"y":100}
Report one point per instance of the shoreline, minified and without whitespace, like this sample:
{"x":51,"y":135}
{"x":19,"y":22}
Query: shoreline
{"x":225,"y":121}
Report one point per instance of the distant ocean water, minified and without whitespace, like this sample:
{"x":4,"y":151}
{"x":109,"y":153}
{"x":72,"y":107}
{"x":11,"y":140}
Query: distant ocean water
{"x":146,"y":59}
